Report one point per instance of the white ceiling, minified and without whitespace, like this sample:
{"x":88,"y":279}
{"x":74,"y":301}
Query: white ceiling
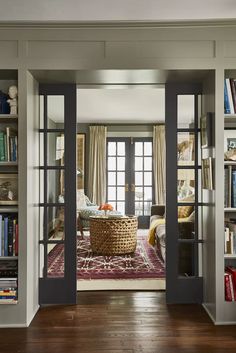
{"x":113,"y":10}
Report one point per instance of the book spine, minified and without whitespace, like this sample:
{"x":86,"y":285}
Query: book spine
{"x":234,"y":188}
{"x":226,"y":194}
{"x":17,"y":240}
{"x":6,"y":236}
{"x":3,"y":245}
{"x":2,"y":147}
{"x":233,"y":90}
{"x":10,"y":237}
{"x":229,"y":92}
{"x":14,"y":237}
{"x":228,"y":295}
{"x":230,"y":184}
{"x":1,"y":236}
{"x":226,"y":100}
{"x":226,"y":239}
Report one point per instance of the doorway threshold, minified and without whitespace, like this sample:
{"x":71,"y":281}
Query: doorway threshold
{"x":122,"y":284}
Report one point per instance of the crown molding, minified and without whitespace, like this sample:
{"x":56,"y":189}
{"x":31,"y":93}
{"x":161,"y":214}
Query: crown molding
{"x":116,"y":24}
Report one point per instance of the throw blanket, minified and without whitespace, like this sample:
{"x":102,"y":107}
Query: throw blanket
{"x":155,"y":224}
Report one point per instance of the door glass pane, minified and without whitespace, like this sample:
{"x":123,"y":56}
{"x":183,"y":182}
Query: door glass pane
{"x":186,"y":185}
{"x":41,"y":112}
{"x":56,"y":185}
{"x":138,"y":193}
{"x":55,"y":144}
{"x":186,"y":259}
{"x":147,"y":208}
{"x":111,"y":178}
{"x":111,"y":193}
{"x":185,"y":148}
{"x":111,"y":148}
{"x":120,"y":163}
{"x":147,"y":148}
{"x":56,"y":260}
{"x":147,"y":178}
{"x":185,"y":113}
{"x":186,"y":222}
{"x":148,"y":193}
{"x":55,"y":220}
{"x":111,"y":163}
{"x":148,"y":163}
{"x":138,"y":148}
{"x":121,"y":207}
{"x":138,"y":208}
{"x":138,"y":178}
{"x":121,"y":193}
{"x":138,"y":163}
{"x":121,"y":148}
{"x":56,"y":112}
{"x":120,"y":178}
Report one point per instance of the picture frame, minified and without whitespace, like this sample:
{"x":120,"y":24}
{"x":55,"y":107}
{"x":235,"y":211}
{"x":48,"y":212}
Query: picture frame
{"x":8,"y":189}
{"x":206,"y":130}
{"x":207,"y":173}
{"x":80,"y":163}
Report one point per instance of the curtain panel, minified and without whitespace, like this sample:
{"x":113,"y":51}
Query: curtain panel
{"x":159,"y":163}
{"x":97,"y":164}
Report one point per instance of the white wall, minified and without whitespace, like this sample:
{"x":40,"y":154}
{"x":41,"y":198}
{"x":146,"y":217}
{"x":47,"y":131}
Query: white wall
{"x":108,"y":10}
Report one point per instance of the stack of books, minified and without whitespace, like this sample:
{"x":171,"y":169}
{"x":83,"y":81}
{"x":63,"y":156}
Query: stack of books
{"x":230,"y":187}
{"x":230,"y":238}
{"x":230,"y":284}
{"x":9,"y":236}
{"x":8,"y":145}
{"x":230,"y":96}
{"x":8,"y":290}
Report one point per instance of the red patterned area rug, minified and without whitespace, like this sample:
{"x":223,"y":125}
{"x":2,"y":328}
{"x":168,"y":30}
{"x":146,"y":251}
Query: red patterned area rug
{"x":145,"y":263}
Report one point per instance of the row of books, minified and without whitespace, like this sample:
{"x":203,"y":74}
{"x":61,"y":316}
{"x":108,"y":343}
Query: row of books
{"x":8,"y":290}
{"x":230,"y":284}
{"x":230,"y":186}
{"x":230,"y":237}
{"x":9,"y":236}
{"x":230,"y":96}
{"x":8,"y":268}
{"x":8,"y":145}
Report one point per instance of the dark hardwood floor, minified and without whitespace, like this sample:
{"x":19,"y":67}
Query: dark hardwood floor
{"x":120,"y":322}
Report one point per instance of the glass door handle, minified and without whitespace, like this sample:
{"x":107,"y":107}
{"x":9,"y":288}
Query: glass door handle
{"x":132,"y":187}
{"x":126,"y":187}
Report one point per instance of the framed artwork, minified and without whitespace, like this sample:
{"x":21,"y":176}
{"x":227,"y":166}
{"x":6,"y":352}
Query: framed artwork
{"x":80,"y":165}
{"x":207,"y":174}
{"x":206,"y":128}
{"x":8,"y":189}
{"x":231,"y":144}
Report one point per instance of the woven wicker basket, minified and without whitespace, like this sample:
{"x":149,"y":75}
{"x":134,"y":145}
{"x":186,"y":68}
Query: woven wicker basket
{"x":113,"y":236}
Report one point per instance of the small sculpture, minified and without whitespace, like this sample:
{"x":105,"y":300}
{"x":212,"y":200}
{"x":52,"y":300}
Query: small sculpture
{"x":12,"y":92}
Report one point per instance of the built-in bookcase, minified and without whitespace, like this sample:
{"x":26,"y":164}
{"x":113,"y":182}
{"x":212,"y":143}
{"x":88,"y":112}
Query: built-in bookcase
{"x":9,"y":234}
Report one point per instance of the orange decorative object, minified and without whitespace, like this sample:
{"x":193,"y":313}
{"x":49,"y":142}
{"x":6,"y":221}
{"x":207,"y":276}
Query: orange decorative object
{"x":106,"y":207}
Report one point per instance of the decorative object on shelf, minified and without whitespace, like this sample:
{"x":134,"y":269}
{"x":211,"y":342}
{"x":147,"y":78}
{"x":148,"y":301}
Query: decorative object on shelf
{"x":4,"y":106}
{"x":230,"y":155}
{"x":106,"y":207}
{"x":207,"y":174}
{"x":13,"y":92}
{"x":8,"y":189}
{"x":207,"y":133}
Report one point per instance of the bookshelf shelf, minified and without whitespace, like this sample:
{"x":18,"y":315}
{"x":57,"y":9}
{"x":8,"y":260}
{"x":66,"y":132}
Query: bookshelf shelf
{"x":229,"y":162}
{"x":229,"y":256}
{"x":2,"y":302}
{"x":8,"y":257}
{"x":230,"y":209}
{"x":9,"y":164}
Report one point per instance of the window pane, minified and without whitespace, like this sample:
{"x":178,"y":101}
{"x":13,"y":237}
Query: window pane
{"x":147,"y":148}
{"x":187,"y":224}
{"x":148,"y":163}
{"x":120,"y":193}
{"x":111,"y":193}
{"x":148,"y":178}
{"x":186,"y":185}
{"x":138,"y":178}
{"x":185,"y":112}
{"x":185,"y":148}
{"x":120,"y":163}
{"x":55,"y":220}
{"x":138,"y":193}
{"x":186,"y":259}
{"x":121,"y":148}
{"x":111,"y":148}
{"x":56,"y":251}
{"x":56,"y":149}
{"x":121,"y":207}
{"x":121,"y":178}
{"x":138,"y":163}
{"x":138,"y":208}
{"x":147,"y":208}
{"x":111,"y":178}
{"x":56,"y":185}
{"x":138,"y":148}
{"x":148,"y":193}
{"x":56,"y":112}
{"x":111,"y":163}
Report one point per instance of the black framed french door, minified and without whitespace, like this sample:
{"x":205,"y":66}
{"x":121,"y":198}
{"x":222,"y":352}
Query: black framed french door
{"x":130,"y":176}
{"x":57,"y":193}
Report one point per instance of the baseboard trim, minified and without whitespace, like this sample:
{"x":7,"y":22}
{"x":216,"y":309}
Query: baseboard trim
{"x":121,"y":284}
{"x":32,"y":316}
{"x":209,"y":313}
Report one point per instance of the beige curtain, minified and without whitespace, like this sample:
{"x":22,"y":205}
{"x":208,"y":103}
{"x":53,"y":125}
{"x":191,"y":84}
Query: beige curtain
{"x":159,"y":163}
{"x":97,"y":164}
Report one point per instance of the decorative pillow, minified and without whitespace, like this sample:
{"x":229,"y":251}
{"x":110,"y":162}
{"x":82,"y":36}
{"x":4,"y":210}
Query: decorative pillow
{"x":184,"y":211}
{"x":81,"y":202}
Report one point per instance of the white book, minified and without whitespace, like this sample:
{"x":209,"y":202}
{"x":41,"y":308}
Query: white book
{"x":230,"y":97}
{"x":226,"y":238}
{"x":231,"y":243}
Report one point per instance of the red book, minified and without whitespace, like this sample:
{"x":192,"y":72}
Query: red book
{"x":232,"y":271}
{"x":228,"y":294}
{"x":17,"y":240}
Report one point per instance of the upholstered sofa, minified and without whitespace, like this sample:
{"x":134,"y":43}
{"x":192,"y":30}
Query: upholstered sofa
{"x":186,"y":227}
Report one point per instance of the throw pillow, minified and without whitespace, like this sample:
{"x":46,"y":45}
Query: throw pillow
{"x":184,"y":211}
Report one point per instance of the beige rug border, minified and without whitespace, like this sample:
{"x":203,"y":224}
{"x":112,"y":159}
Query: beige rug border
{"x":122,"y":284}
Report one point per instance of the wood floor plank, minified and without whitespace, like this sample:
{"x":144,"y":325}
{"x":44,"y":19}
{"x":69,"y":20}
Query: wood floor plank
{"x":120,"y":322}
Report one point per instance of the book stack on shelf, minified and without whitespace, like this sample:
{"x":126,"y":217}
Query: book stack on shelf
{"x":230,"y":96}
{"x":8,"y":235}
{"x":8,"y":145}
{"x":230,"y":237}
{"x":230,"y":284}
